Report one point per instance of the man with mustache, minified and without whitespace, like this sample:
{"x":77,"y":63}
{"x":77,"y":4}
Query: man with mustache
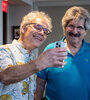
{"x":17,"y":62}
{"x":72,"y":82}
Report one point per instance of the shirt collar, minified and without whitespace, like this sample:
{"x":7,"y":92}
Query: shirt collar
{"x":83,"y":48}
{"x":20,"y":47}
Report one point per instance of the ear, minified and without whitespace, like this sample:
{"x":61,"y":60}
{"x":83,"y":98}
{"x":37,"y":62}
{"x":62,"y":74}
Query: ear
{"x":86,"y":32}
{"x":24,"y":29}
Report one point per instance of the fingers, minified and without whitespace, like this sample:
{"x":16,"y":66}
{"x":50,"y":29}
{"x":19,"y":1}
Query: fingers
{"x":61,"y":54}
{"x":60,"y":49}
{"x":57,"y":56}
{"x":59,"y":63}
{"x":52,"y":57}
{"x":58,"y":52}
{"x":61,"y":58}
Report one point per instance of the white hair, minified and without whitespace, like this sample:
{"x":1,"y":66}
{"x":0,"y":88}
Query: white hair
{"x":33,"y":15}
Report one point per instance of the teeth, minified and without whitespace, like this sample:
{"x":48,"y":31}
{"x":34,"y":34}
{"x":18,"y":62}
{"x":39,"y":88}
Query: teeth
{"x":37,"y":37}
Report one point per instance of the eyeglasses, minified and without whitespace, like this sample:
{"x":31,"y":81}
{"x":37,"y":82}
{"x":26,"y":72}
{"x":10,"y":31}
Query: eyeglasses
{"x":39,"y":28}
{"x":80,"y":28}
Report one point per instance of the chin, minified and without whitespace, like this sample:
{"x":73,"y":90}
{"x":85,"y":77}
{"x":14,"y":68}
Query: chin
{"x":37,"y":45}
{"x":74,"y":42}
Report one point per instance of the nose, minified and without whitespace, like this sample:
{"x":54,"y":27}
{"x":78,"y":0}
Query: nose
{"x":41,"y":32}
{"x":75,"y":30}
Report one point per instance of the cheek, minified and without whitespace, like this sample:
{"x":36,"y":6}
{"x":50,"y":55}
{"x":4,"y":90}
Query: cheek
{"x":84,"y":34}
{"x":45,"y":37}
{"x":66,"y":31}
{"x":29,"y":35}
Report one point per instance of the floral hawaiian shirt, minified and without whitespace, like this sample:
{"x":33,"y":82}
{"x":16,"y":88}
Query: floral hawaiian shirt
{"x":12,"y":54}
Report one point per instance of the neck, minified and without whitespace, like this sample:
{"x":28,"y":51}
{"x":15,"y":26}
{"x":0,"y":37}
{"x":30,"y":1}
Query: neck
{"x":25,"y":45}
{"x":73,"y":48}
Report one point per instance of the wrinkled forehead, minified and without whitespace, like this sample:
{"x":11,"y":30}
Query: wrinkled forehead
{"x":41,"y":21}
{"x":76,"y":21}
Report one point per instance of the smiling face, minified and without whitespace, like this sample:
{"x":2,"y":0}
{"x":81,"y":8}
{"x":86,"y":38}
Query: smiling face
{"x":33,"y":37}
{"x":75,"y":32}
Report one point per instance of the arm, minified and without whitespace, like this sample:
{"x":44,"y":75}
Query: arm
{"x":17,"y":73}
{"x":52,"y":57}
{"x":40,"y":87}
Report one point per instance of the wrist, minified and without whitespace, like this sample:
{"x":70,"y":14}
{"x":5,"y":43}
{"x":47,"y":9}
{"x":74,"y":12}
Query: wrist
{"x":38,"y":65}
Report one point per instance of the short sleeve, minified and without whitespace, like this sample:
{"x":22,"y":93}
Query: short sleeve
{"x":42,"y":74}
{"x":5,"y":58}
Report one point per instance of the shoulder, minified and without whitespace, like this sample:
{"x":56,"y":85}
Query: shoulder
{"x":87,"y":46}
{"x":5,"y":48}
{"x":50,"y":46}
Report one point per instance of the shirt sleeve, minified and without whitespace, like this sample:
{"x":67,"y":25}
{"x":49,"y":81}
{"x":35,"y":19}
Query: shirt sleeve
{"x":42,"y":74}
{"x":5,"y":61}
{"x":5,"y":58}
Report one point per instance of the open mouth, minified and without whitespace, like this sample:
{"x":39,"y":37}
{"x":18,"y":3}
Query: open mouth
{"x":37,"y":37}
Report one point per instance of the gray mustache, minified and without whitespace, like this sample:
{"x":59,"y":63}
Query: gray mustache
{"x":75,"y":35}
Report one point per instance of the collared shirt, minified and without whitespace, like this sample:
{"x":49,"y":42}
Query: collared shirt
{"x":13,"y":54}
{"x":71,"y":82}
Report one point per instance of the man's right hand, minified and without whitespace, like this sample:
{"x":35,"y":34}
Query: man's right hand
{"x":52,"y":57}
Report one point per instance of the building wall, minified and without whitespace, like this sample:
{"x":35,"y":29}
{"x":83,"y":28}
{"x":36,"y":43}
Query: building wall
{"x":15,"y":14}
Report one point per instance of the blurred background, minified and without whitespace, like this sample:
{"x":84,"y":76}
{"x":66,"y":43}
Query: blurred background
{"x":12,"y":11}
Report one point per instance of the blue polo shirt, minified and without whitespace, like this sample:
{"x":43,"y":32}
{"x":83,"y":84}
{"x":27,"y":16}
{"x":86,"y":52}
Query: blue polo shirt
{"x":71,"y":82}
